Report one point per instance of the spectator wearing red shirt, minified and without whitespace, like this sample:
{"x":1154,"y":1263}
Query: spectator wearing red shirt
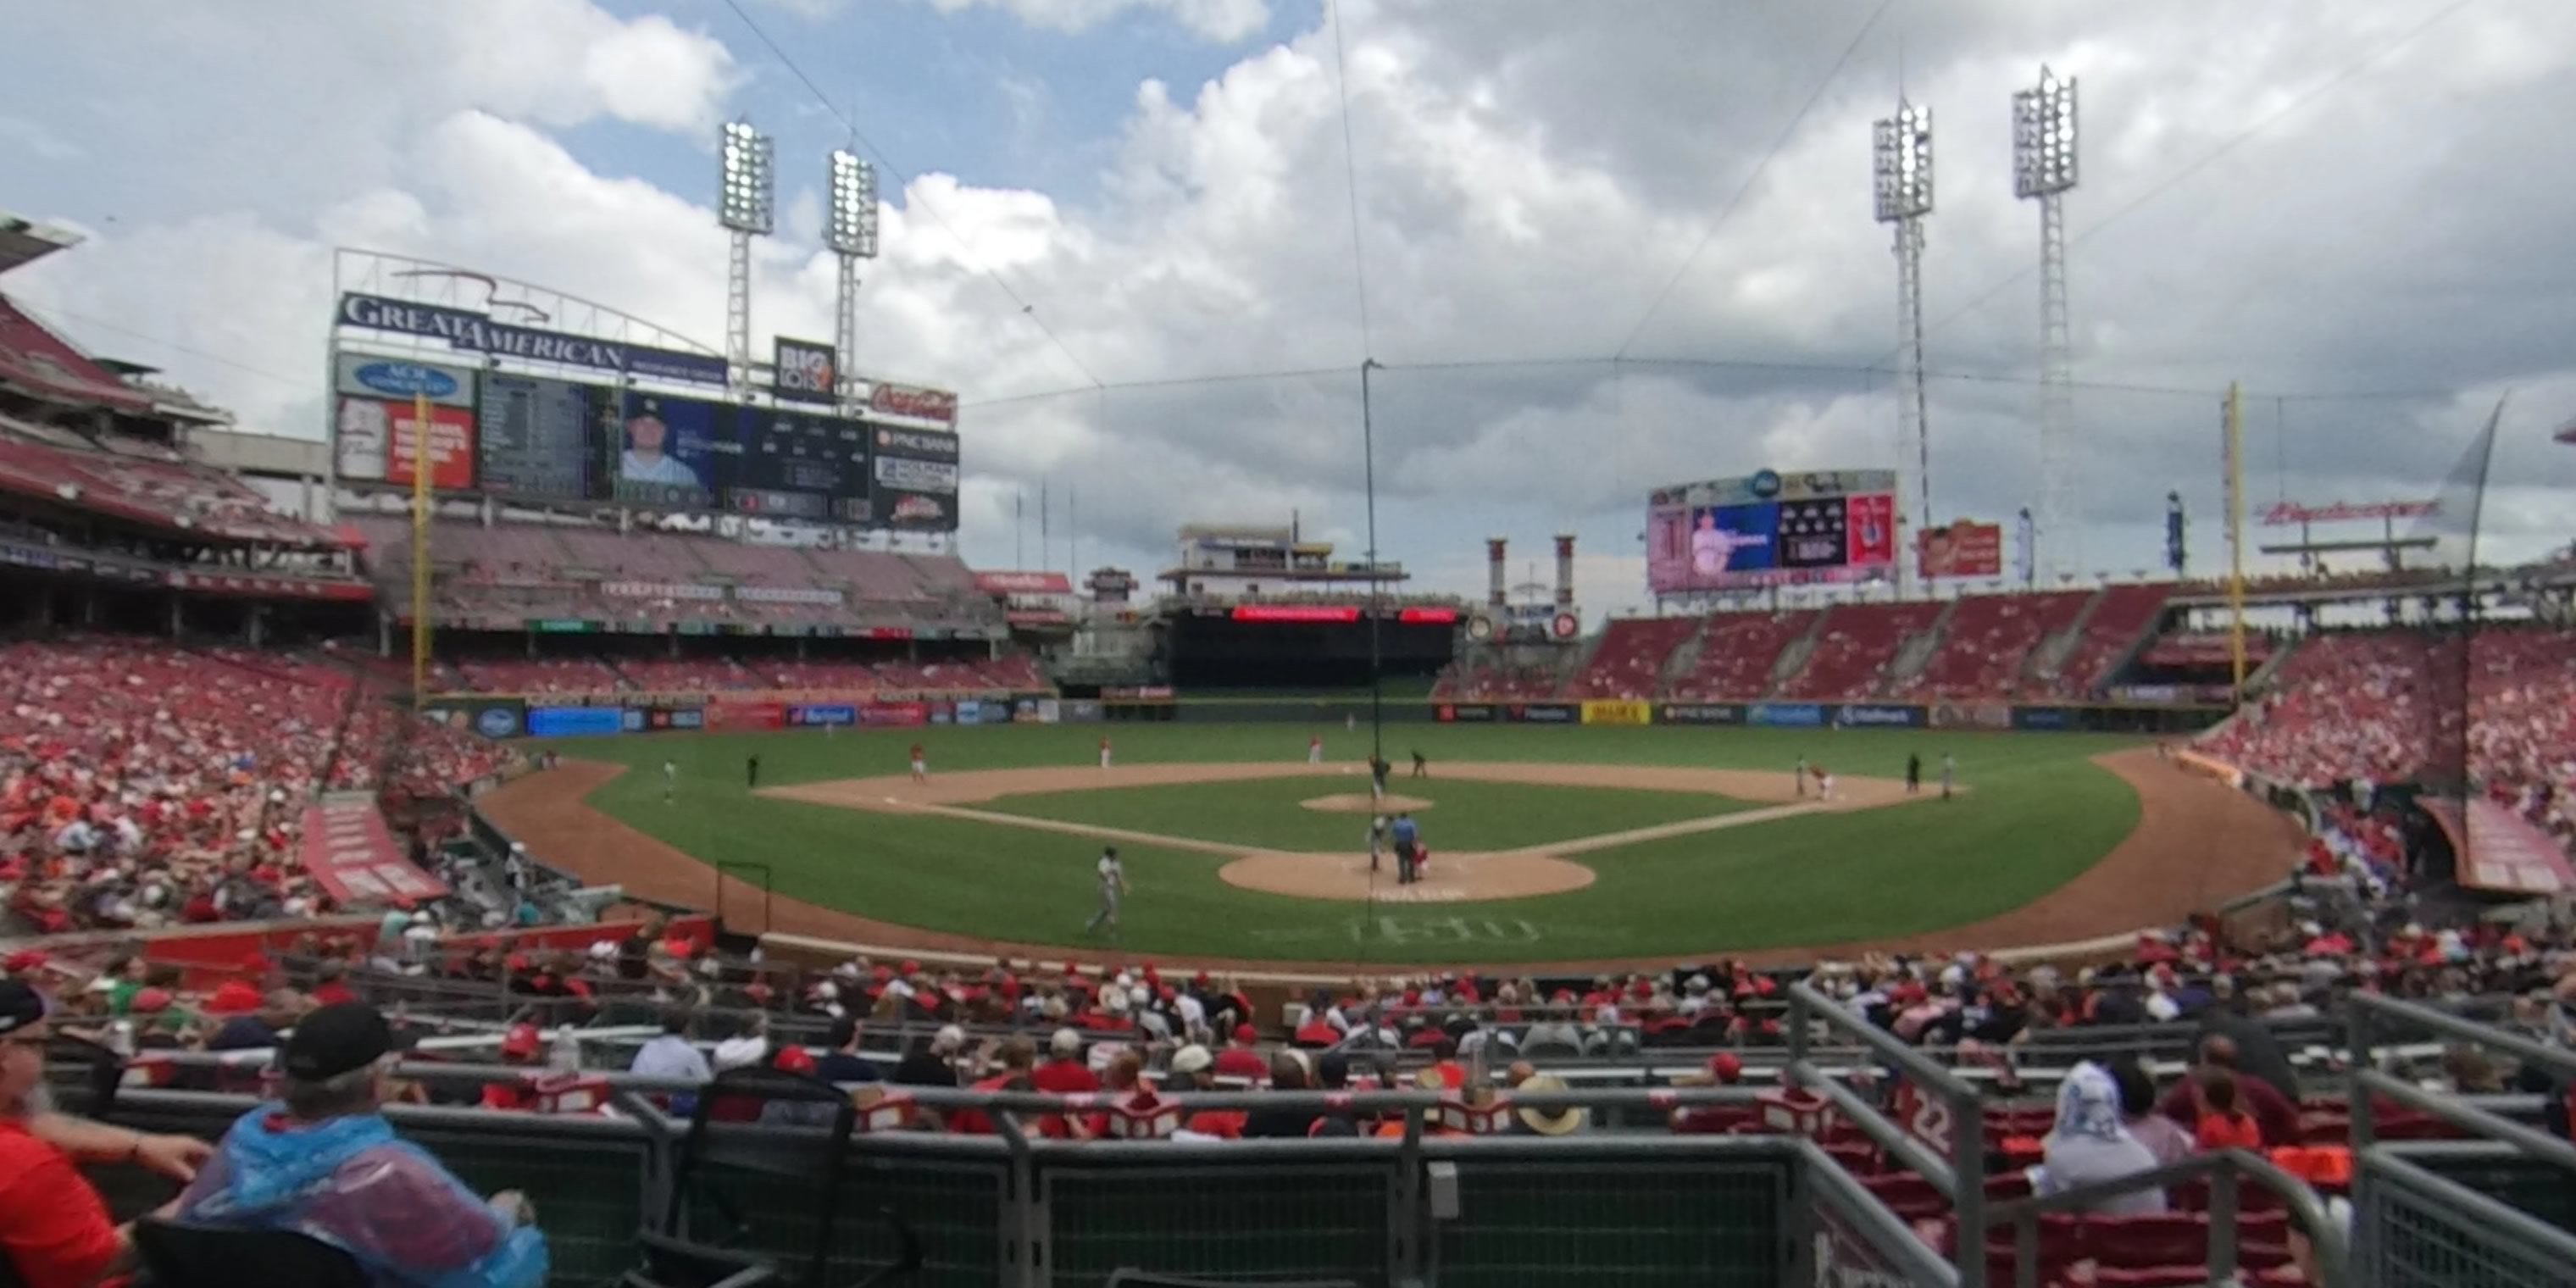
{"x":54,"y":1229}
{"x":1241,"y":1058}
{"x":2275,"y":1117}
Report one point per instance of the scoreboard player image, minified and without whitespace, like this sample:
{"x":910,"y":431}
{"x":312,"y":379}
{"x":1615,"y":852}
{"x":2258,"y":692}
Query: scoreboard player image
{"x":664,"y":451}
{"x":647,"y":458}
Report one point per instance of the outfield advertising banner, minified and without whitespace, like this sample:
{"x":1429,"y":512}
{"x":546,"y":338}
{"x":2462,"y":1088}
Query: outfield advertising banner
{"x":743,"y":717}
{"x":1871,"y":715}
{"x":809,"y":715}
{"x":1701,"y":713}
{"x":490,"y":717}
{"x":970,"y":711}
{"x":1971,"y":715}
{"x":1546,"y":712}
{"x":576,"y":722}
{"x":1785,"y":715}
{"x":1618,"y":712}
{"x":1465,"y":713}
{"x":1082,"y":711}
{"x":2043,"y":718}
{"x":894,"y":714}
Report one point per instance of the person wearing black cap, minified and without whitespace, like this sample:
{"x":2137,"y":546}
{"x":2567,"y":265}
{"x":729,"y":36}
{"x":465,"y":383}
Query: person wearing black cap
{"x":324,"y":1162}
{"x":54,"y":1229}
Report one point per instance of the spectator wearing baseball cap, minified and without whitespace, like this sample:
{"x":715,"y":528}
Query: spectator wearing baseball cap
{"x":323,"y":1162}
{"x":54,"y":1230}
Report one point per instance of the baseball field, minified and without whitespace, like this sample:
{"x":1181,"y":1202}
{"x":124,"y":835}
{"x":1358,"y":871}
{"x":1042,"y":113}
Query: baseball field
{"x":1584,"y":845}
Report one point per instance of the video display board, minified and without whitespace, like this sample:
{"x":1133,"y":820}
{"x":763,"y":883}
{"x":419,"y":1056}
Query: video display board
{"x":1771,"y":529}
{"x":536,"y":435}
{"x":798,"y":465}
{"x":916,"y":475}
{"x":664,"y":451}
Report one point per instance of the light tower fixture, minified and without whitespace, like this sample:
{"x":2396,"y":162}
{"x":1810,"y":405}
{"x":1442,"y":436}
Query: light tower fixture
{"x":2044,"y":170}
{"x":746,"y":206}
{"x":850,"y":230}
{"x":1901,"y":190}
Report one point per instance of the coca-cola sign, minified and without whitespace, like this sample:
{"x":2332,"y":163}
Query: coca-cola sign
{"x":913,"y":401}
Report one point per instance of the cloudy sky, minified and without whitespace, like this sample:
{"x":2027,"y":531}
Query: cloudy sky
{"x":1124,"y":230}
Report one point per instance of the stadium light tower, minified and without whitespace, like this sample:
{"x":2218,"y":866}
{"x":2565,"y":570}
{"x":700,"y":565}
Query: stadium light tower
{"x":746,"y":200}
{"x":1901,"y":172}
{"x":2044,"y":169}
{"x":851,"y":232}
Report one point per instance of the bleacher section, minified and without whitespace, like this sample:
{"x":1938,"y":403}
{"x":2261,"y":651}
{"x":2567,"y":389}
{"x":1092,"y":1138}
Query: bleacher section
{"x":1737,"y":652}
{"x":2121,"y":618}
{"x":1630,"y":660}
{"x":1858,"y":644}
{"x":1986,"y":645}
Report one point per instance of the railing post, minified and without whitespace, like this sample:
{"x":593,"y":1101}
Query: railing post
{"x":2222,"y":1223}
{"x":2365,"y":1131}
{"x":1968,"y":1175}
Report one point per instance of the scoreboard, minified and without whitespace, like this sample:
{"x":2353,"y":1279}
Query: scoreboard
{"x":1771,"y":529}
{"x":798,"y":465}
{"x":535,"y":436}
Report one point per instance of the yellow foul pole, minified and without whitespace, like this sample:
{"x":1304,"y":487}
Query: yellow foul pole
{"x":420,"y":467}
{"x":2236,"y":534}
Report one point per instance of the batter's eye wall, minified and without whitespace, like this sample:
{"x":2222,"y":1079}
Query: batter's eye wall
{"x":1220,"y":652}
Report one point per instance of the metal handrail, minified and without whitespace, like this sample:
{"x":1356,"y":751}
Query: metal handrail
{"x":2362,"y":1008}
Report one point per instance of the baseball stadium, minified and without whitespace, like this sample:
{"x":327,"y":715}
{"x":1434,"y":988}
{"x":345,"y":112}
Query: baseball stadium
{"x":595,"y":809}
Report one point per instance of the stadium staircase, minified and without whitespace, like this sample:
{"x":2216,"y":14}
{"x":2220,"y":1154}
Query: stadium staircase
{"x":2045,"y":660}
{"x":1683,"y":660}
{"x":1793,"y":659}
{"x":1917,"y":652}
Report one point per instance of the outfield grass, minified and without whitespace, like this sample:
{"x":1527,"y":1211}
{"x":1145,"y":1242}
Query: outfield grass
{"x":1463,"y":815}
{"x":2038,"y":816}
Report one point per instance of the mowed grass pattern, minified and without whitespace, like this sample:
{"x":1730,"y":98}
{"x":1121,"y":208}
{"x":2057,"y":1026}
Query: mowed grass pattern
{"x":2039,"y":814}
{"x":1463,"y":815}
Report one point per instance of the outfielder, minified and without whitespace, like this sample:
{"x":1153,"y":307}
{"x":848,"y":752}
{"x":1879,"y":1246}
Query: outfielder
{"x":1113,"y":883}
{"x":670,"y":778}
{"x":1799,"y":775}
{"x":1104,"y":753}
{"x":1949,"y":774}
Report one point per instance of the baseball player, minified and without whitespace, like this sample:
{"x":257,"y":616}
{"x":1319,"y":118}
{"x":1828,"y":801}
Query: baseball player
{"x":751,"y":772}
{"x":1113,"y":884}
{"x":1949,"y":774}
{"x":1104,"y":753}
{"x":1421,"y":767}
{"x":920,"y":764}
{"x":1378,"y":770}
{"x":1824,"y":783}
{"x":1376,"y":840}
{"x":670,"y":779}
{"x":1315,"y":750}
{"x":1799,"y":776}
{"x":1913,"y":773}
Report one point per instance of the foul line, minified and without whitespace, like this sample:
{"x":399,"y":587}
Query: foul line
{"x":1228,"y":849}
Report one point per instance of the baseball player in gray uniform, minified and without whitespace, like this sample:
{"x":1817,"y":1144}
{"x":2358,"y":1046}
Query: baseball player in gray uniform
{"x":1376,"y":840}
{"x":1113,"y":887}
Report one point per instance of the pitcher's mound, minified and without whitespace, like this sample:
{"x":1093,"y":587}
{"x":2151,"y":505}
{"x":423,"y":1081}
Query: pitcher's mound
{"x":1363,"y":803}
{"x":1452,"y":878}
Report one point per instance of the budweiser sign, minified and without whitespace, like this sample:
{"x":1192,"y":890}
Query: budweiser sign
{"x":913,"y":400}
{"x":2285,"y":514}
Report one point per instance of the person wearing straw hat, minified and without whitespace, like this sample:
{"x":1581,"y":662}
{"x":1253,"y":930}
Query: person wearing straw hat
{"x":1547,"y":1122}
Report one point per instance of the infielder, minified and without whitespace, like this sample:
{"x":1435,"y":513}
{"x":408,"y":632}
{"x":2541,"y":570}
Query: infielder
{"x":1113,"y":884}
{"x":1378,"y":770}
{"x":670,"y":778}
{"x":1799,"y":776}
{"x":1949,"y":774}
{"x":1315,"y":750}
{"x":1824,"y":783}
{"x":920,"y":765}
{"x":1104,"y":753}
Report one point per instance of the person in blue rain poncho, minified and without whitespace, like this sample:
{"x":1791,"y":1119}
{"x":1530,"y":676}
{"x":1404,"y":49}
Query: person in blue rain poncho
{"x":323,"y":1162}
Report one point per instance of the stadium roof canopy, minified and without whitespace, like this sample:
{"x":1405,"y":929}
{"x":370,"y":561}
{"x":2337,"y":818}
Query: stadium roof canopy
{"x":24,"y":241}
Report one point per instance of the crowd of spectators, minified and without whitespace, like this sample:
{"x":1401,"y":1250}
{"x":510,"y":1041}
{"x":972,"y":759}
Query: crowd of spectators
{"x":1014,"y":672}
{"x":2388,"y":706}
{"x":144,"y":785}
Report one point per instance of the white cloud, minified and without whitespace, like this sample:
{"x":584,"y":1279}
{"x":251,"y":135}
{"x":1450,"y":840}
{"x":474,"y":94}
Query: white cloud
{"x":19,"y":132}
{"x":1529,"y":176}
{"x":1223,"y":21}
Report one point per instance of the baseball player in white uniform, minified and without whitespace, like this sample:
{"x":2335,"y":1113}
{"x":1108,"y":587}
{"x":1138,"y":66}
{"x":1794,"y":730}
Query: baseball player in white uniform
{"x":1315,"y":750}
{"x":670,"y":779}
{"x":1376,"y":840}
{"x":1113,"y":887}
